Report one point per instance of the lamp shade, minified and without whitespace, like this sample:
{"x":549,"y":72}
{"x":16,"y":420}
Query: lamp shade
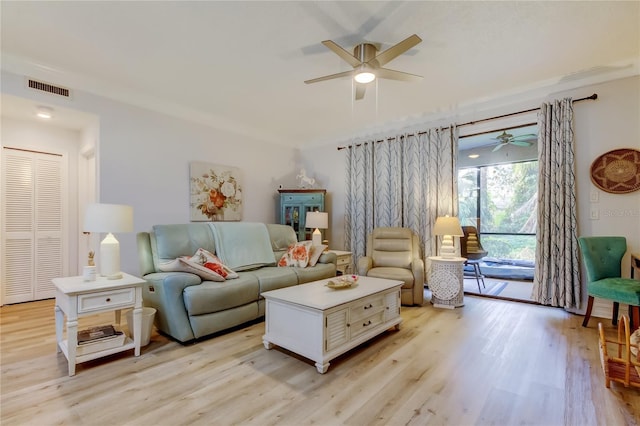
{"x":317,"y":220}
{"x":108,"y":218}
{"x":447,"y":225}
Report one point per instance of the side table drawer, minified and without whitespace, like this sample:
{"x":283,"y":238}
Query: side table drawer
{"x":344,"y":260}
{"x":113,"y":299}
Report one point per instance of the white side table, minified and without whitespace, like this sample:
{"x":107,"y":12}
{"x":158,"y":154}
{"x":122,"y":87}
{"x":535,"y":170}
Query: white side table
{"x":344,"y":260}
{"x":77,"y":298}
{"x":446,"y":281}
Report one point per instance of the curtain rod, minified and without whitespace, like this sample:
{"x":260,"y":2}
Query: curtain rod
{"x":592,"y":98}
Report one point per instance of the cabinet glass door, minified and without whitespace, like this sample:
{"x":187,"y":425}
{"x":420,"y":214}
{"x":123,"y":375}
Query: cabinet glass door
{"x":292,"y":216}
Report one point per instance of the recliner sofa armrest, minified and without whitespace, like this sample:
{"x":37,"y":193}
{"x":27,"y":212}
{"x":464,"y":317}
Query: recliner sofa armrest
{"x":163,"y":292}
{"x":145,"y":258}
{"x":417,"y":268}
{"x":364,"y":264}
{"x":328,"y":257}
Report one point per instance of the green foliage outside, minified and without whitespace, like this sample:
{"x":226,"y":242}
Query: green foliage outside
{"x":520,"y":247}
{"x":508,"y":201}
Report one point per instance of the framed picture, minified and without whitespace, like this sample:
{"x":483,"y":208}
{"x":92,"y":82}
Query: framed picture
{"x":216,"y":192}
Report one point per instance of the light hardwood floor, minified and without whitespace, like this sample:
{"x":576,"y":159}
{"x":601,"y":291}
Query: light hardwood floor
{"x":489,"y":362}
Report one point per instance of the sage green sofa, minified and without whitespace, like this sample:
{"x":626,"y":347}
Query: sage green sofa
{"x":189,"y":308}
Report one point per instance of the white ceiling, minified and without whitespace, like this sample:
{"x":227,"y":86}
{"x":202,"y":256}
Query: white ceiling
{"x":241,"y":65}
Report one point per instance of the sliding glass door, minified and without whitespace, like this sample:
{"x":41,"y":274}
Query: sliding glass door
{"x":500,"y":201}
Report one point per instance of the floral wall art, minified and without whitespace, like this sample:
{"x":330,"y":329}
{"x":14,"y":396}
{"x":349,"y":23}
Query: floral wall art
{"x":216,"y":192}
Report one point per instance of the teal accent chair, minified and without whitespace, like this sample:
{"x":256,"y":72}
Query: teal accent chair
{"x":602,"y":258}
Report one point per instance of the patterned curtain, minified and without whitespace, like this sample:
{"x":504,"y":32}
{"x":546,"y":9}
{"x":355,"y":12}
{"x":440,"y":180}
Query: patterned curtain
{"x":557,"y":274}
{"x":407,"y":180}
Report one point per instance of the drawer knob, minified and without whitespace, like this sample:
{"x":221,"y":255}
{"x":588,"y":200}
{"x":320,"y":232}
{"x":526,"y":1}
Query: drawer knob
{"x":366,"y":323}
{"x":108,"y":299}
{"x":369,"y":306}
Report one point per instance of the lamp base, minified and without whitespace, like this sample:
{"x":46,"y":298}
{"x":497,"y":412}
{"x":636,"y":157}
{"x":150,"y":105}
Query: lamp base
{"x":447,"y":250}
{"x":316,"y":237}
{"x":110,"y":258}
{"x":117,"y":276}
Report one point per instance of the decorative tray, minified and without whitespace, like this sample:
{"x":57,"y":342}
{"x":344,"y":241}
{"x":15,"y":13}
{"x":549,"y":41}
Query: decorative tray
{"x":343,"y":282}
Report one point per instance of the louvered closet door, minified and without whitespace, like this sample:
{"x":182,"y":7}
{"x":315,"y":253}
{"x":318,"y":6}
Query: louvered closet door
{"x":33,"y":246}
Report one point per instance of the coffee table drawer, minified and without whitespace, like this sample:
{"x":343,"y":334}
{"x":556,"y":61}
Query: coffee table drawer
{"x":113,"y":299}
{"x":366,"y":307}
{"x":366,"y":324}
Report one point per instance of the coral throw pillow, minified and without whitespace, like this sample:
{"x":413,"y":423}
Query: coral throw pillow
{"x":297,"y":255}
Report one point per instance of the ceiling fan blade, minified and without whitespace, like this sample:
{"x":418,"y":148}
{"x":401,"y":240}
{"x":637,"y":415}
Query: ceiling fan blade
{"x":396,"y":50}
{"x":520,"y":143}
{"x":352,"y":60}
{"x":330,"y":77}
{"x":396,"y":75}
{"x":498,"y":147}
{"x":360,"y":89}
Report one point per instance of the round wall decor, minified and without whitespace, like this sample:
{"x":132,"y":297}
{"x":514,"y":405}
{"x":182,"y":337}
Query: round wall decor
{"x":617,"y":171}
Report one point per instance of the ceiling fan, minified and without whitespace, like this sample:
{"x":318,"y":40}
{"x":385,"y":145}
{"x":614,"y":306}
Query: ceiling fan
{"x":520,"y":140}
{"x":368,"y":64}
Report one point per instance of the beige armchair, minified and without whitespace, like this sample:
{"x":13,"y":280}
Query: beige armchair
{"x":394,"y":253}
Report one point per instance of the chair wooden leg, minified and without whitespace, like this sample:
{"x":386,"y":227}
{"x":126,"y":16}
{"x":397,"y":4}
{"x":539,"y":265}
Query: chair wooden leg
{"x":616,"y":308}
{"x":587,"y":314}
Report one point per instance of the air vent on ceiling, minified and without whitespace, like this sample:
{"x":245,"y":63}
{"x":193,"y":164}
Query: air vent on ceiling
{"x":49,"y":88}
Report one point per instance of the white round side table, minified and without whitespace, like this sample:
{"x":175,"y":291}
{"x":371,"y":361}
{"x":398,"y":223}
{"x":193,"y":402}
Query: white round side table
{"x":446,"y":281}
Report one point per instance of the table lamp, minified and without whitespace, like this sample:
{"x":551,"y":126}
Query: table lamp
{"x":109,"y":218}
{"x":447,"y":227}
{"x":318,"y":220}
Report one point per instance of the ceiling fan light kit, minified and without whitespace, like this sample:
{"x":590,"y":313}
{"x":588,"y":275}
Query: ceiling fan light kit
{"x":364,"y":77}
{"x":368,"y":64}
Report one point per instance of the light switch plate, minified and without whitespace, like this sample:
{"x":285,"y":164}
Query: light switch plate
{"x":594,"y":196}
{"x":595,"y":213}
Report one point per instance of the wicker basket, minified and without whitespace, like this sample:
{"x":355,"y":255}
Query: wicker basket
{"x":624,"y":367}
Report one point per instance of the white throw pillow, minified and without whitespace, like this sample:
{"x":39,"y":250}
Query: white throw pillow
{"x":184,"y":264}
{"x":200,"y":270}
{"x":316,"y":252}
{"x":212,"y":262}
{"x":203,"y":263}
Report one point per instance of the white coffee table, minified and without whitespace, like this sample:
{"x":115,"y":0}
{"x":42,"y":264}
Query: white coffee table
{"x":321,"y":323}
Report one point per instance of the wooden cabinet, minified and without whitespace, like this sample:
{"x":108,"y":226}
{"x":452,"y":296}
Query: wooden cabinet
{"x":294,"y":205}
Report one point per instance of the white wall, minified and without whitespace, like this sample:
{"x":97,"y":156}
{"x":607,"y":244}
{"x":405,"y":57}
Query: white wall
{"x":610,"y":122}
{"x":143,"y":160}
